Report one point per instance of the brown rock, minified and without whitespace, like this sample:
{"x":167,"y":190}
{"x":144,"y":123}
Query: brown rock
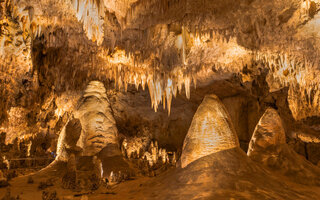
{"x":313,"y":152}
{"x":98,"y":125}
{"x":298,"y":146}
{"x":211,"y":131}
{"x":269,"y":131}
{"x":268,"y":147}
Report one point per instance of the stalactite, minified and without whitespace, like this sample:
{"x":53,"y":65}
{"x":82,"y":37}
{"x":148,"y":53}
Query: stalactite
{"x":299,"y":76}
{"x":91,"y":14}
{"x":161,"y":87}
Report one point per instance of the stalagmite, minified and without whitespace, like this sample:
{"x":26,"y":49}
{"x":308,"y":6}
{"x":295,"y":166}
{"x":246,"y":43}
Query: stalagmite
{"x":29,"y":149}
{"x":149,"y":158}
{"x":67,"y":139}
{"x":211,"y":131}
{"x":269,"y":131}
{"x":268,"y":146}
{"x":99,"y":129}
{"x":163,"y":155}
{"x":154,"y":154}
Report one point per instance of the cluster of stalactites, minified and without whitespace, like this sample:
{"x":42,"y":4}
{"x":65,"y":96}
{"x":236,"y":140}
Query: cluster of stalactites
{"x":91,"y":14}
{"x":126,"y":67}
{"x":124,"y":70}
{"x":162,"y":87}
{"x":289,"y":70}
{"x":300,"y":76}
{"x":19,"y":27}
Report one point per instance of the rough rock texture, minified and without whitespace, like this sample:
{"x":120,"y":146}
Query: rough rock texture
{"x":269,"y":131}
{"x":99,"y":128}
{"x":67,"y":139}
{"x":211,"y":131}
{"x":313,"y":150}
{"x":51,"y":49}
{"x":59,"y":47}
{"x":227,"y":174}
{"x":268,"y":147}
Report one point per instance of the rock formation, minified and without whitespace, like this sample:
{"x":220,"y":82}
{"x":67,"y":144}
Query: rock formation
{"x":67,"y":139}
{"x":211,"y":131}
{"x":134,"y":147}
{"x":96,"y":76}
{"x":146,"y":154}
{"x":269,"y":131}
{"x":99,"y":128}
{"x":268,"y":146}
{"x":92,"y":136}
{"x":222,"y":173}
{"x":92,"y":128}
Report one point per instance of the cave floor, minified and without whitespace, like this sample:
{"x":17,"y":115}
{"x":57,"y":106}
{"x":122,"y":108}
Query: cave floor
{"x":138,"y":188}
{"x":125,"y":190}
{"x":224,"y":175}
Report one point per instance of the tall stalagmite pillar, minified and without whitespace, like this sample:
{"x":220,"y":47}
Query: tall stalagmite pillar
{"x":99,"y":129}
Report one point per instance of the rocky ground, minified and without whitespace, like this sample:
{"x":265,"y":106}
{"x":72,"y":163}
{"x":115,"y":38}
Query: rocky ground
{"x":228,"y":174}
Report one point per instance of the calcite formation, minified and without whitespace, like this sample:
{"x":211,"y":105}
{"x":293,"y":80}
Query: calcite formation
{"x":269,"y":131}
{"x":99,"y":130}
{"x":146,"y":150}
{"x":112,"y":89}
{"x":91,"y":128}
{"x":211,"y":131}
{"x":68,"y":138}
{"x":268,"y":146}
{"x":134,"y":147}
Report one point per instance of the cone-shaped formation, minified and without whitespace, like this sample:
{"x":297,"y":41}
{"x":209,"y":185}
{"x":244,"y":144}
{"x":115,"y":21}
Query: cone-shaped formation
{"x":269,"y":131}
{"x":98,"y":125}
{"x":211,"y":131}
{"x":268,"y":146}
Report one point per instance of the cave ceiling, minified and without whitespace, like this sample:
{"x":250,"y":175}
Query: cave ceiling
{"x":164,"y":46}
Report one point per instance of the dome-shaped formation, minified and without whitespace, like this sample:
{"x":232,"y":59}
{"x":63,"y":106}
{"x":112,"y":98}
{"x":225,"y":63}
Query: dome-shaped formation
{"x":98,"y":125}
{"x":211,"y":131}
{"x":269,"y":131}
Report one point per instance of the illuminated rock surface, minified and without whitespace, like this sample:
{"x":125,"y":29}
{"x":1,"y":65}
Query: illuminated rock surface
{"x":93,"y":127}
{"x":269,"y":131}
{"x":268,"y":146}
{"x":154,"y":62}
{"x":68,"y":138}
{"x":99,"y":128}
{"x":211,"y":131}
